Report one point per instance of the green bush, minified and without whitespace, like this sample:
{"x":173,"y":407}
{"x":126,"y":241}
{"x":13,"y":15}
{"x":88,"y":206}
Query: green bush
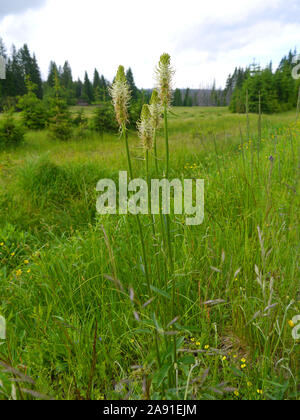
{"x":80,"y":120}
{"x":104,"y":120}
{"x":60,"y":121}
{"x":11,"y":132}
{"x":7,"y":103}
{"x":60,"y":126}
{"x":34,"y":113}
{"x":135,"y":113}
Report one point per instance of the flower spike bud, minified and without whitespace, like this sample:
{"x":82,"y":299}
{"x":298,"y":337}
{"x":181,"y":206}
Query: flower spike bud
{"x":145,"y":128}
{"x":164,"y":75}
{"x":121,"y":96}
{"x":155,"y":109}
{"x":121,"y":77}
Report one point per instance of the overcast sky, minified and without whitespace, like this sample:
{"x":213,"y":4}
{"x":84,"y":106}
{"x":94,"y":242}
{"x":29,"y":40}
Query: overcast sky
{"x":206,"y":39}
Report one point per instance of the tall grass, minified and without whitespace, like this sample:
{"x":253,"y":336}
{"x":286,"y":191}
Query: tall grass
{"x":67,"y":273}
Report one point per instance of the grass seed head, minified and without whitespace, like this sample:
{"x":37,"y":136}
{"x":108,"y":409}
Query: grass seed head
{"x":121,"y":96}
{"x":155,"y":109}
{"x":164,"y":75}
{"x":145,"y":128}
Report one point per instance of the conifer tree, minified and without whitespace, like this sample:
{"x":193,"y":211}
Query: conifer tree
{"x":34,"y":114}
{"x":53,"y":72}
{"x":87,"y":89}
{"x":187,"y":98}
{"x":36,"y":77}
{"x":104,"y":89}
{"x":131,"y":83}
{"x":96,"y":80}
{"x":66,"y":76}
{"x":177,"y":101}
{"x":60,"y":122}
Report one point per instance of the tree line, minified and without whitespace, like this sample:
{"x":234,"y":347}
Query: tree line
{"x":275,"y":90}
{"x":21,"y":64}
{"x":208,"y":96}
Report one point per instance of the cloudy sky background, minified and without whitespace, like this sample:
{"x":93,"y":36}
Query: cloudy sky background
{"x":206,"y":39}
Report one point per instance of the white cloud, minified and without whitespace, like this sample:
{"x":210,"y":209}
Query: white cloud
{"x":205,"y":39}
{"x":18,"y":6}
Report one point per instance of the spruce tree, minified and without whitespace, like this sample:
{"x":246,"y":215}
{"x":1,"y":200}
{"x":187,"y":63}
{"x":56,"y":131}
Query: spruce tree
{"x":177,"y":101}
{"x":104,"y":89}
{"x":187,"y":98}
{"x":36,"y":77}
{"x":52,"y":74}
{"x":67,"y":83}
{"x":66,"y":76}
{"x":34,"y":113}
{"x":97,"y":87}
{"x":60,"y":122}
{"x":87,"y":89}
{"x":78,"y":86}
{"x":96,"y":80}
{"x":131,"y":83}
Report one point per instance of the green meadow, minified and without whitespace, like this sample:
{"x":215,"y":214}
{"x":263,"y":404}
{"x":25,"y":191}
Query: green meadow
{"x":81,"y":321}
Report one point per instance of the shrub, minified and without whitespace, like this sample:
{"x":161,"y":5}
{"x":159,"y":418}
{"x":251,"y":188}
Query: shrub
{"x":104,"y":119}
{"x":7,"y":103}
{"x":11,"y":132}
{"x":60,"y":125}
{"x":80,"y":119}
{"x":34,"y":113}
{"x":60,"y":121}
{"x":134,"y":113}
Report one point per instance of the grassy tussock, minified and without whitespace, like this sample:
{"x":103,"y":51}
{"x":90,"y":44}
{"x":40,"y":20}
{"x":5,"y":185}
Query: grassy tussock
{"x":68,"y":276}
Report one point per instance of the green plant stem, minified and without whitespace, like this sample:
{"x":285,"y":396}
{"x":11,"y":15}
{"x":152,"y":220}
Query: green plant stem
{"x":160,"y":212}
{"x":259,"y":132}
{"x":155,"y":151}
{"x":149,"y":209}
{"x":168,"y":228}
{"x":145,"y":261}
{"x":154,"y":236}
{"x":167,"y":140}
